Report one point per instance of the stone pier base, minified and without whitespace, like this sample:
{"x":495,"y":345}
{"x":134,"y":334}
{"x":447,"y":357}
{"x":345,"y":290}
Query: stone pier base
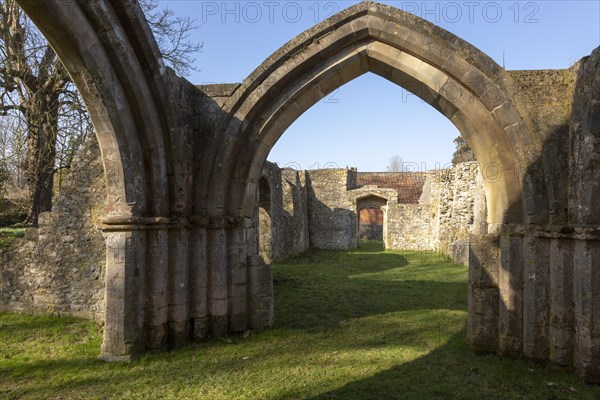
{"x":537,"y":292}
{"x":168,"y":283}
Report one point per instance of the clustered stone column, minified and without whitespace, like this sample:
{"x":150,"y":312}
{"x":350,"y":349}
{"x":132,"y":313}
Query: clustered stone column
{"x":171,"y":281}
{"x":533,"y":292}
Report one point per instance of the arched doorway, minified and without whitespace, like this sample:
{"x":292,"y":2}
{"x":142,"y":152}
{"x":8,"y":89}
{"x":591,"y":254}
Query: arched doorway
{"x":370,"y":223}
{"x":458,"y":80}
{"x":126,"y":88}
{"x":371,"y":218}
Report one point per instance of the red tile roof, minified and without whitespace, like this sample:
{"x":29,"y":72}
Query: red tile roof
{"x":408,"y":184}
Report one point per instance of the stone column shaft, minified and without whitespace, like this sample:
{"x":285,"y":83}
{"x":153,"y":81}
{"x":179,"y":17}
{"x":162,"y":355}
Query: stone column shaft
{"x":561,"y":328}
{"x":238,"y":290}
{"x":511,"y":294}
{"x":199,"y":283}
{"x":536,"y":297}
{"x":124,"y":313}
{"x":179,"y":288}
{"x":157,"y":288}
{"x":586,"y":277}
{"x":482,"y":324}
{"x":218,"y":303}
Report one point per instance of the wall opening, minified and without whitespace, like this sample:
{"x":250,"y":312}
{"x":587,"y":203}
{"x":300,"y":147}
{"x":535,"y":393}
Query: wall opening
{"x":370,"y":224}
{"x":372,"y":215}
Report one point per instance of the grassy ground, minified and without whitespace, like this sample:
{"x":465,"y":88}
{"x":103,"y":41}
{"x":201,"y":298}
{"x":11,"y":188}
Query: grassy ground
{"x":366,"y":324}
{"x":8,"y":234}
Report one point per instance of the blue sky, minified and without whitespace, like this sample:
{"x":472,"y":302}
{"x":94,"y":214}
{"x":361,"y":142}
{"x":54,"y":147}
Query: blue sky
{"x":369,"y":120}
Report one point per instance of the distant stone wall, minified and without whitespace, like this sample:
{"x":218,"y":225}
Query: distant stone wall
{"x":408,"y":227}
{"x":458,"y":209}
{"x":283,"y":227}
{"x":451,"y":208}
{"x":332,"y":218}
{"x":59,"y":268}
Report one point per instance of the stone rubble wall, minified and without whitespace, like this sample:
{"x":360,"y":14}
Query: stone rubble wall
{"x":283,"y":229}
{"x":451,"y":208}
{"x":59,"y":267}
{"x":458,"y":207}
{"x":408,"y":227}
{"x":332,"y":216}
{"x":295,"y":212}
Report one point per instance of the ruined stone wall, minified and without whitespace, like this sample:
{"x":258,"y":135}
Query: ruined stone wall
{"x":408,"y":227}
{"x":451,"y":208}
{"x":535,"y":289}
{"x":283,"y":228}
{"x":295,"y":212}
{"x":332,"y":218}
{"x":545,"y":97}
{"x":458,"y":208}
{"x":59,"y":268}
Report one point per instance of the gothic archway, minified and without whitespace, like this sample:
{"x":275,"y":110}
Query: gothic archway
{"x":183,"y":169}
{"x":122,"y":80}
{"x":457,"y":79}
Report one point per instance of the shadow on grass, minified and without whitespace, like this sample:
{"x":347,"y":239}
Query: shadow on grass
{"x":364,"y":324}
{"x":321,"y":289}
{"x":453,"y":372}
{"x":371,"y":246}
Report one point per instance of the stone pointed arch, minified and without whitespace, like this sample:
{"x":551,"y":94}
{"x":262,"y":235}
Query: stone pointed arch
{"x":183,"y":164}
{"x":457,"y":79}
{"x":110,"y":53}
{"x":114,"y":85}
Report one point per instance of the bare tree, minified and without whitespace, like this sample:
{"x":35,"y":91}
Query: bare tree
{"x":36,"y":89}
{"x":12,"y":153}
{"x":173,"y":35}
{"x":33,"y":83}
{"x":396,"y":164}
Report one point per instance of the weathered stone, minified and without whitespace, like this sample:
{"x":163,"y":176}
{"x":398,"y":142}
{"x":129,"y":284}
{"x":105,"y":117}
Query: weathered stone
{"x":561,"y":301}
{"x":332,"y":219}
{"x":177,"y":160}
{"x":218,"y":281}
{"x":511,"y":295}
{"x":536,"y":297}
{"x":586,"y":276}
{"x":68,"y":246}
{"x":483,"y":300}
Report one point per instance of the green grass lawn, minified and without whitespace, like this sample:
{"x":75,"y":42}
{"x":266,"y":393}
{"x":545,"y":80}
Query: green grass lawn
{"x":366,"y":324}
